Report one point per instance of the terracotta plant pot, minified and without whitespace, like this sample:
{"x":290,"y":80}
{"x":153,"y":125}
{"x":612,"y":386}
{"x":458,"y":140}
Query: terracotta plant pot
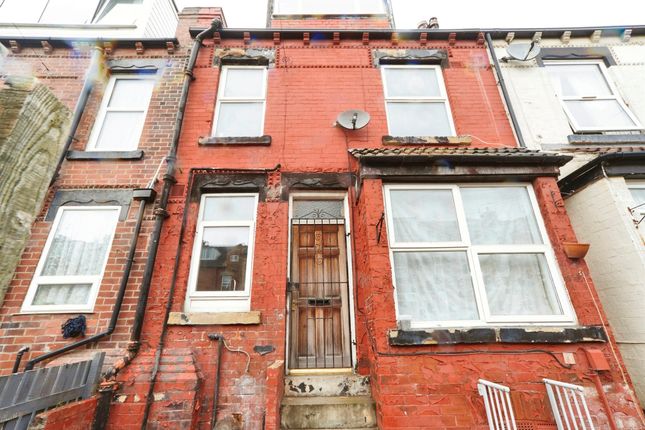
{"x":575,"y":250}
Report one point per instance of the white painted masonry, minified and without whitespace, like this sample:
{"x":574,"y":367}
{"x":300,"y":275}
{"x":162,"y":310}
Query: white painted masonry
{"x":616,"y":260}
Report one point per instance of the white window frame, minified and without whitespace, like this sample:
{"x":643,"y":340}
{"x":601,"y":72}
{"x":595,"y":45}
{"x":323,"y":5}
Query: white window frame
{"x":95,"y":280}
{"x":353,"y":8}
{"x":220,"y":301}
{"x":612,"y":87}
{"x":636,"y":185}
{"x":104,"y":109}
{"x":443,"y":98}
{"x":472,"y":251}
{"x":221,"y":99}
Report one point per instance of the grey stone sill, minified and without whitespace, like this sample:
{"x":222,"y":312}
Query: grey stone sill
{"x":105,"y":155}
{"x":214,"y":318}
{"x":533,"y":335}
{"x":427,"y":140}
{"x":237,"y":140}
{"x":606,"y":139}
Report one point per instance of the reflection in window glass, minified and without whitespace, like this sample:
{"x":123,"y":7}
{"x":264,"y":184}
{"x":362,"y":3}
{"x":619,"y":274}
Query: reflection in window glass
{"x":217,"y":270}
{"x":119,"y":12}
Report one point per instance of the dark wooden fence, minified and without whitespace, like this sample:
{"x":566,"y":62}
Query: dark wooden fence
{"x":23,"y":395}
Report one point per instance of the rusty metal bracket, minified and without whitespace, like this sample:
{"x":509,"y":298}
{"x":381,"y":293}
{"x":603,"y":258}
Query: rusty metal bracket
{"x":379,"y":228}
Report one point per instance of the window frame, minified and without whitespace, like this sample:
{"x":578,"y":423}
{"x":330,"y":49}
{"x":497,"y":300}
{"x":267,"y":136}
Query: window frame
{"x":355,"y":6}
{"x":104,"y":109}
{"x":221,"y":299}
{"x":222,"y":99}
{"x":443,"y":98}
{"x":616,"y":95}
{"x":472,"y":251}
{"x":95,"y":280}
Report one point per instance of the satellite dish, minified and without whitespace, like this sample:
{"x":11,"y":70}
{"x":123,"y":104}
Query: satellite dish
{"x":353,"y":119}
{"x":523,"y":51}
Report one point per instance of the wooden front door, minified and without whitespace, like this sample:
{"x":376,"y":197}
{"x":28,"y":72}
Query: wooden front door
{"x":319,"y":308}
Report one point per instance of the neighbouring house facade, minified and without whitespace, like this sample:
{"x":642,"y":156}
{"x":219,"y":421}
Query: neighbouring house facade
{"x":81,"y":163}
{"x":583,"y":96}
{"x":275,"y":264}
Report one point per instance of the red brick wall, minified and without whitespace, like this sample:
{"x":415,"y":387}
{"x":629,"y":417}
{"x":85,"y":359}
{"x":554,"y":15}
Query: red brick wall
{"x":75,"y":416}
{"x":63,"y":71}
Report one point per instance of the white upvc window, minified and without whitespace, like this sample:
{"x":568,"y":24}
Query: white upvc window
{"x":589,"y":97}
{"x":118,"y":12}
{"x":122,"y":114}
{"x":70,"y":12}
{"x":241,"y":102}
{"x":69,"y":273}
{"x":221,"y":265}
{"x":472,"y":255}
{"x":416,"y":101}
{"x":329,"y":7}
{"x":637,"y":190}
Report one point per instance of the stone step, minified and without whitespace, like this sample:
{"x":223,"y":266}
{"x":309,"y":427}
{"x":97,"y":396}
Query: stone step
{"x":326,"y":385}
{"x":328,"y":412}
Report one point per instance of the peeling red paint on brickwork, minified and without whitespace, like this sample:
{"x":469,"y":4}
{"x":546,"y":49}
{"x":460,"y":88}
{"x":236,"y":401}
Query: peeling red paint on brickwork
{"x":75,"y":416}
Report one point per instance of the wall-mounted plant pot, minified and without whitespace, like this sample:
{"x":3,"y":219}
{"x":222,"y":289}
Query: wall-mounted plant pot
{"x":575,"y":250}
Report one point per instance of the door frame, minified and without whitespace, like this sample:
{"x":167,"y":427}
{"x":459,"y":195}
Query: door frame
{"x":324,"y":195}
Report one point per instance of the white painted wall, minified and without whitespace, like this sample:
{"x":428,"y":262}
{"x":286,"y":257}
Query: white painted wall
{"x":616,"y":260}
{"x":539,"y":112}
{"x":158,"y":19}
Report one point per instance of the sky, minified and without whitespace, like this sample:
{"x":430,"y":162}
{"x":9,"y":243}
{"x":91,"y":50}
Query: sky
{"x":469,"y":14}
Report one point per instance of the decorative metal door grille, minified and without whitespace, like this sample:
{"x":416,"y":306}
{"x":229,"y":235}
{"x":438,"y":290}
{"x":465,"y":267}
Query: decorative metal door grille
{"x":319,"y":288}
{"x":499,"y":409}
{"x":568,"y":405}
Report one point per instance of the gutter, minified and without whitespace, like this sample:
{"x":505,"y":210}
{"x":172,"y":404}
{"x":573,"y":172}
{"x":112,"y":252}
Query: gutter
{"x":593,"y":170}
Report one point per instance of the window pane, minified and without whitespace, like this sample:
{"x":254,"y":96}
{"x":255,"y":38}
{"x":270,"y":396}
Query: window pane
{"x":120,"y":131}
{"x":244,"y":83}
{"x":500,"y":216}
{"x":131,"y":93}
{"x":418,"y":119}
{"x":519,"y":284}
{"x":607,"y":114}
{"x":424,"y":216}
{"x":240,"y":119}
{"x":434,"y":286}
{"x":80,"y":243}
{"x":578,"y":80}
{"x":120,"y":12}
{"x":317,"y":209}
{"x":328,"y":7}
{"x":223,"y":208}
{"x":638,"y":194}
{"x":15,"y":11}
{"x":222,"y":263}
{"x":69,"y":12}
{"x":412,"y":82}
{"x":64,"y":294}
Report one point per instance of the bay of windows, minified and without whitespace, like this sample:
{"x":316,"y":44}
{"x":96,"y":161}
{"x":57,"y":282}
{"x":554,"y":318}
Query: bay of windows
{"x":471,"y":255}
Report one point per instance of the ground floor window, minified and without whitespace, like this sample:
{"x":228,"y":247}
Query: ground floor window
{"x":472,"y":255}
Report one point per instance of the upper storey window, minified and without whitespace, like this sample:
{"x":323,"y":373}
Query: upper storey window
{"x":589,"y":98}
{"x":329,"y":7}
{"x":241,"y":100}
{"x":416,"y":101}
{"x":110,"y":12}
{"x":122,"y":113}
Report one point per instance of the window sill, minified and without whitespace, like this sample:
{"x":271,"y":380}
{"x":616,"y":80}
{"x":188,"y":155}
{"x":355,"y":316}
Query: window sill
{"x":105,"y":155}
{"x":214,"y":318}
{"x":606,"y":139}
{"x":533,"y":335}
{"x":236,"y":140}
{"x":427,"y":140}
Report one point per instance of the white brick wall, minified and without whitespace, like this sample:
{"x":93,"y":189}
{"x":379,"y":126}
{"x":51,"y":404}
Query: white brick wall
{"x":616,"y":260}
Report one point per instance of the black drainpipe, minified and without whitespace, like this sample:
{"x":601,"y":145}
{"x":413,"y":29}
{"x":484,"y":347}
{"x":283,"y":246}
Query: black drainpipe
{"x":88,"y":85}
{"x":168,"y":181}
{"x":507,"y":99}
{"x":144,"y":195}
